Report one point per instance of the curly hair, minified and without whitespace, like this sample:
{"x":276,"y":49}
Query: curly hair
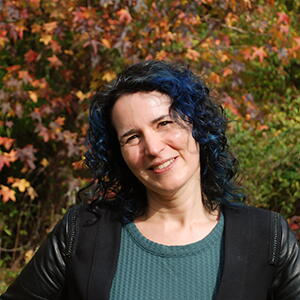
{"x":115,"y":185}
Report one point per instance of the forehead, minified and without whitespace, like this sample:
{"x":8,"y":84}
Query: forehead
{"x":139,"y":107}
{"x":151,"y":99}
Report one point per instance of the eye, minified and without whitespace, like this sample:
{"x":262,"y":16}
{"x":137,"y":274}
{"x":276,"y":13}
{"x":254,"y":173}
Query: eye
{"x":133,"y":139}
{"x":165,"y":123}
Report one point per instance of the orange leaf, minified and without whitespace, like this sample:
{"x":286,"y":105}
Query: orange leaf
{"x":55,"y":46}
{"x":50,"y":27}
{"x":215,"y":78}
{"x":192,"y":54}
{"x":35,"y":3}
{"x":246,"y":53}
{"x":25,"y":76}
{"x":35,"y":28}
{"x":7,"y":194}
{"x":6,"y":142}
{"x":227,"y":72}
{"x":162,"y":54}
{"x":7,"y":157}
{"x":60,"y":121}
{"x":13,"y":68}
{"x":54,"y":61}
{"x":263,"y":127}
{"x":124,"y":16}
{"x":259,"y":52}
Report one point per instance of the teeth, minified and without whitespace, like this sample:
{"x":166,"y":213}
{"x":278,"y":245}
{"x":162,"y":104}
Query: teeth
{"x":164,"y":165}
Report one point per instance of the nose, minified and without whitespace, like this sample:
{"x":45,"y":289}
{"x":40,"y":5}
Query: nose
{"x":153,"y":144}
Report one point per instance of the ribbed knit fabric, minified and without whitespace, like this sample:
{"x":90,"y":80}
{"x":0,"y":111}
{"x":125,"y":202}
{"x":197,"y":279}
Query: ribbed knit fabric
{"x":148,"y":270}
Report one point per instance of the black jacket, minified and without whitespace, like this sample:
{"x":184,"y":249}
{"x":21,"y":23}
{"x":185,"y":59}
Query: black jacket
{"x":78,"y":260}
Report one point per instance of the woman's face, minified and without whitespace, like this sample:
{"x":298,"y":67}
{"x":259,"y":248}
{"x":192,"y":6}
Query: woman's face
{"x":159,"y":151}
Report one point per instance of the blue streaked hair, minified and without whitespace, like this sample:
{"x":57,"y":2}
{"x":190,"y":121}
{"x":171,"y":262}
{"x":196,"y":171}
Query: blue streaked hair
{"x":115,"y":186}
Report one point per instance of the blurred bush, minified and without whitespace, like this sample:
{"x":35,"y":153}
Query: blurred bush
{"x":269,"y":157}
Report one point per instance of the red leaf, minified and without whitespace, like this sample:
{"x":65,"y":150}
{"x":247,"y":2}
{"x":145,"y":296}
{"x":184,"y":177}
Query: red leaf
{"x":26,"y":155}
{"x":43,"y":132}
{"x":124,"y":16}
{"x":31,"y":56}
{"x":283,"y":18}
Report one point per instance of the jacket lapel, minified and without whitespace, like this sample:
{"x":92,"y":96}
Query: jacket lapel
{"x":247,"y":273}
{"x":237,"y":239}
{"x":106,"y":252}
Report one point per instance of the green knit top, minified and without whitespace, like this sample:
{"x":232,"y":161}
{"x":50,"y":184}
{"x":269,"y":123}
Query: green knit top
{"x":148,"y":270}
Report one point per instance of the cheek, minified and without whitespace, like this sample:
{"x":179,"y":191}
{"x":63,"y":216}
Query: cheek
{"x":182,"y":139}
{"x":132,"y":158}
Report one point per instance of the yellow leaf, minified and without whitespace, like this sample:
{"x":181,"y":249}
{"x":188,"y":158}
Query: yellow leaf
{"x":46,"y":38}
{"x":106,"y":43}
{"x":44,"y":162}
{"x":109,"y":76}
{"x":28,"y":255}
{"x":31,"y":192}
{"x":21,"y":184}
{"x":33,"y":96}
{"x":69,"y":52}
{"x":231,"y":19}
{"x":3,"y":40}
{"x":83,"y":96}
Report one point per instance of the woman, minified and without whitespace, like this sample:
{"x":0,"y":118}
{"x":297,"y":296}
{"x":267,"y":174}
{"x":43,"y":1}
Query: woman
{"x":162,"y":223}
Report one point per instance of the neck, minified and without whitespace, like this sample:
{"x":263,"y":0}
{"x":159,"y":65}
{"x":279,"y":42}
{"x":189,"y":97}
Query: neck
{"x":176,"y":219}
{"x":183,"y":207}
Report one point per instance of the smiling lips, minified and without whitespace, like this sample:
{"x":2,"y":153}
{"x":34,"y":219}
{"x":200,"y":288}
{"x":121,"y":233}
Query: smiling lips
{"x":159,"y":168}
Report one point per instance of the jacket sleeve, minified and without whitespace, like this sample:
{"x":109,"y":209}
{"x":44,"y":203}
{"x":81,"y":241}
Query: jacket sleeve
{"x":44,"y":276}
{"x":286,"y":284}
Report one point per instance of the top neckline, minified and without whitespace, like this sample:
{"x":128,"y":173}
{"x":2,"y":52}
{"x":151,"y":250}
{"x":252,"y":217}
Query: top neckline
{"x":214,"y":236}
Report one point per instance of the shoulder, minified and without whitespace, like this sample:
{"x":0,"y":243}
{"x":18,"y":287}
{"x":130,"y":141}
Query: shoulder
{"x":78,"y":223}
{"x":240,"y":212}
{"x":266,"y":225}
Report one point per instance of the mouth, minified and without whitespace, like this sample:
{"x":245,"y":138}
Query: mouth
{"x":163,"y":166}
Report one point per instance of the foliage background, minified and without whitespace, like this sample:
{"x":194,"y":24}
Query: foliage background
{"x":55,"y":54}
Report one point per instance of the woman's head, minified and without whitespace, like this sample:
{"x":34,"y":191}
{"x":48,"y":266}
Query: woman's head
{"x":190,"y":104}
{"x":157,"y":147}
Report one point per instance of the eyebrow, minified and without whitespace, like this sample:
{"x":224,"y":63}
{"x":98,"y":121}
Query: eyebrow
{"x":133,"y":130}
